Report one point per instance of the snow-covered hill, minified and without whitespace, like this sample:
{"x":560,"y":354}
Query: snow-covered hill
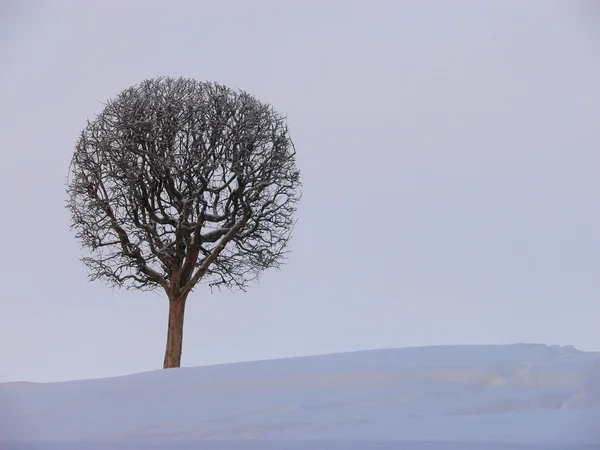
{"x":523,"y":396}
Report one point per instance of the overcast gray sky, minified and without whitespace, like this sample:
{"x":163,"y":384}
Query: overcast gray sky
{"x":449,"y":154}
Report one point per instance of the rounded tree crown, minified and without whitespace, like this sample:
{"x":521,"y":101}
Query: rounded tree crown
{"x":178,"y":181}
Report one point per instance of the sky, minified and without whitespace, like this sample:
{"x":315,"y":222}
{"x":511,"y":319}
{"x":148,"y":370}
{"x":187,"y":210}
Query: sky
{"x":449,"y":159}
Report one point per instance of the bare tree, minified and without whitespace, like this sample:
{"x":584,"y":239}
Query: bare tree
{"x":178,"y":181}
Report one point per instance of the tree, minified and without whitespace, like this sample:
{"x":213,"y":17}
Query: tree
{"x":178,"y":181}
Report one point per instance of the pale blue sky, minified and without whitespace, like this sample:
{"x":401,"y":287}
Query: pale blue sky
{"x":450,"y":161}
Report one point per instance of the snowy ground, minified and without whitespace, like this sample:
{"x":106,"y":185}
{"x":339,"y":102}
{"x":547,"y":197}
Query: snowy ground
{"x":517,"y":397}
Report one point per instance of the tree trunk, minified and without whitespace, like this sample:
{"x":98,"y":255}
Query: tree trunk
{"x":175,"y":332}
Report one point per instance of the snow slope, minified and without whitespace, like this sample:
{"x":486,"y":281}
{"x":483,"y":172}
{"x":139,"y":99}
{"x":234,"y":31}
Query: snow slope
{"x":523,"y":396}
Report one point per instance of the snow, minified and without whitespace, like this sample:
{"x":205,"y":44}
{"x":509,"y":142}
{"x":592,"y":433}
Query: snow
{"x":517,"y":397}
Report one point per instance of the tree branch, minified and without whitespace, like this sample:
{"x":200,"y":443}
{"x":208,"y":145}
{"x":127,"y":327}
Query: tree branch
{"x":215,"y":253}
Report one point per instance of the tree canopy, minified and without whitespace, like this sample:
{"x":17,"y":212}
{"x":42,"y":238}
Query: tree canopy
{"x":178,"y":181}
